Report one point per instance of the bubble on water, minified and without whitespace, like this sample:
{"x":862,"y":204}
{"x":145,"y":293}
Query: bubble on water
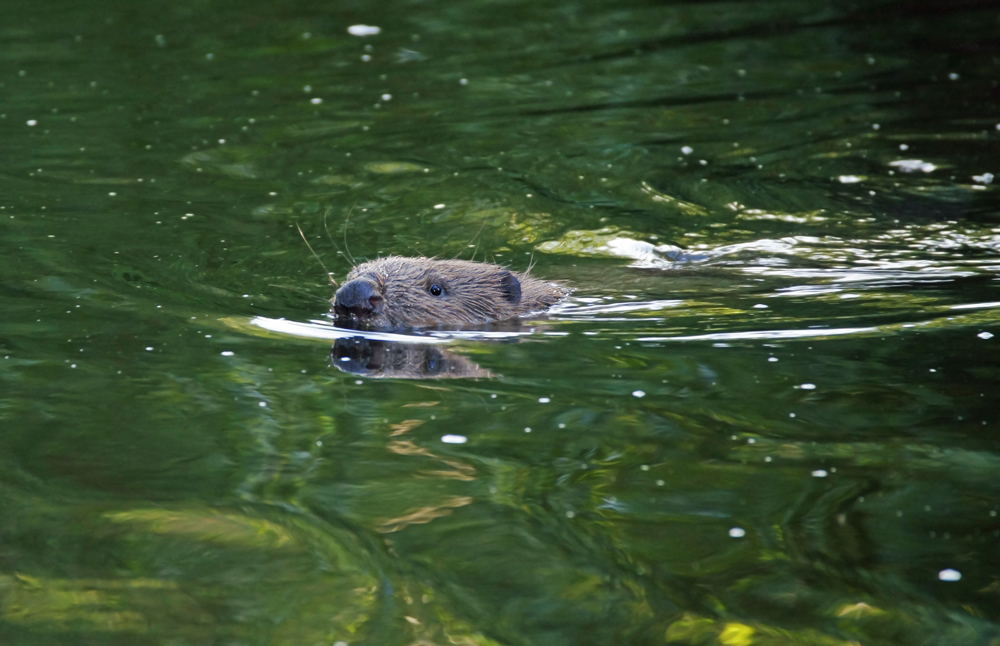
{"x":849,"y":179}
{"x":912,"y":165}
{"x":227,"y":353}
{"x":638,"y":393}
{"x":363,"y":30}
{"x":454,"y":439}
{"x":737,"y":532}
{"x":949,"y":575}
{"x":819,"y":473}
{"x":687,"y":150}
{"x":985,"y":335}
{"x":808,"y":386}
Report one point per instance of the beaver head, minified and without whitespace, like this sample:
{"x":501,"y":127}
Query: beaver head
{"x":397,"y":292}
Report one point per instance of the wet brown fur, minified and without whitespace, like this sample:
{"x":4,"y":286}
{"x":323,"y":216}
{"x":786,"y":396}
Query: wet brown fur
{"x":472,"y":293}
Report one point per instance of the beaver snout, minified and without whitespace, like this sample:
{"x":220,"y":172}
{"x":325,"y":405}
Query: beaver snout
{"x":359,"y":298}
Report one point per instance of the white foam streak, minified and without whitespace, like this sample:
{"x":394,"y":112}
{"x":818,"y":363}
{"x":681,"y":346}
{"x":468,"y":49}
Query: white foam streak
{"x":617,"y":308}
{"x":764,"y":334}
{"x":320,"y":330}
{"x":324,"y":330}
{"x":975,"y":306}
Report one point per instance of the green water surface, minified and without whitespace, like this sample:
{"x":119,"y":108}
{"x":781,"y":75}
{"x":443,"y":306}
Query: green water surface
{"x":786,"y":435}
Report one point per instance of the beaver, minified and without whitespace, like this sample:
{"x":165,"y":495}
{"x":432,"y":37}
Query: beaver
{"x":400,"y":293}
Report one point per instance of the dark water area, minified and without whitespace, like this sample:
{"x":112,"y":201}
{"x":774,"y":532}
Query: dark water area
{"x":766,"y":415}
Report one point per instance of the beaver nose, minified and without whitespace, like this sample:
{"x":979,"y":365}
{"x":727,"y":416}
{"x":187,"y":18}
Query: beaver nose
{"x":358,"y":297}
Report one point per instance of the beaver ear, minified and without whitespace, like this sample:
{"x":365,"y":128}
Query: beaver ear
{"x":510,"y":287}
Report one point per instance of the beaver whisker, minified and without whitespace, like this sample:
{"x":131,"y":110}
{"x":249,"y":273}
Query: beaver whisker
{"x":296,"y":289}
{"x":347,"y":221}
{"x":329,"y":237}
{"x":477,"y":239}
{"x":329,"y":275}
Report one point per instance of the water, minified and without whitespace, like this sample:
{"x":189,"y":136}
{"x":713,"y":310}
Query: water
{"x":766,"y":415}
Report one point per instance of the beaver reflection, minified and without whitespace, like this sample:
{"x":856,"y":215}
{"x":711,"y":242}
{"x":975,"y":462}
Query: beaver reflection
{"x":377,"y":359}
{"x":402,"y":293}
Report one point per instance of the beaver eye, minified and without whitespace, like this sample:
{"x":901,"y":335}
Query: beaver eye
{"x":435,"y":290}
